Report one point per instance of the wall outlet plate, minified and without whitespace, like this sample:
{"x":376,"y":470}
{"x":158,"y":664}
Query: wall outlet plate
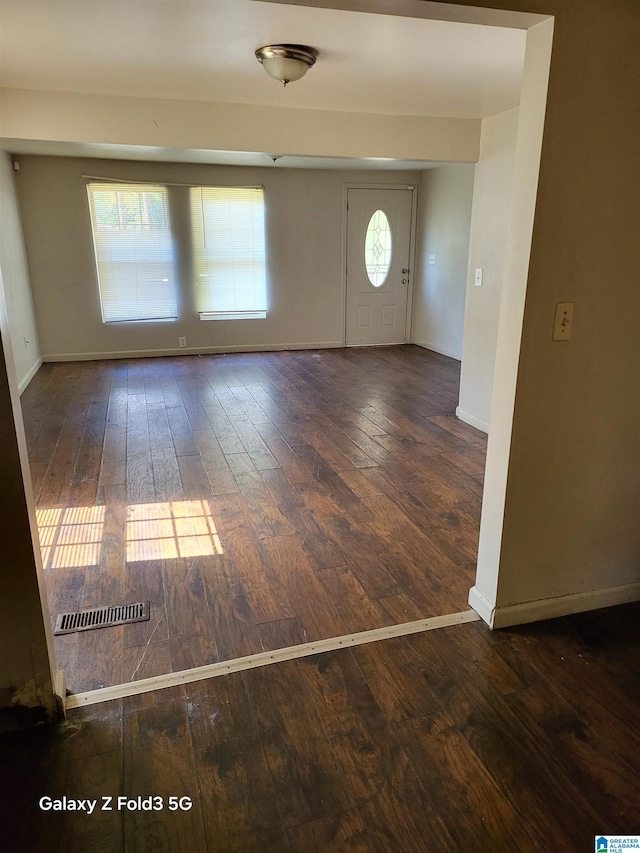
{"x":478,"y":277}
{"x":182,"y":342}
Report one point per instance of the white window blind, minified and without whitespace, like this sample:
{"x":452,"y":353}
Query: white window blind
{"x":134,"y":252}
{"x":229,"y":252}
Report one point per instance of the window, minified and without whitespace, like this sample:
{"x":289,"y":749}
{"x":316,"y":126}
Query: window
{"x":229,"y":252}
{"x":134,"y":252}
{"x":377,"y":248}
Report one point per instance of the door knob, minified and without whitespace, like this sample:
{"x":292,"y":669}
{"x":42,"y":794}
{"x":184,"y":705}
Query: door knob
{"x":405,"y":271}
{"x":405,"y":281}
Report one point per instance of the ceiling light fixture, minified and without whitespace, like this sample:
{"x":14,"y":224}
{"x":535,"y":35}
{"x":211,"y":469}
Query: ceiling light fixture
{"x":286,"y":62}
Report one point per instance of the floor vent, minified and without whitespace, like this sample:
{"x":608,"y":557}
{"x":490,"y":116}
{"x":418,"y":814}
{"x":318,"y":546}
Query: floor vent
{"x":101,"y":617}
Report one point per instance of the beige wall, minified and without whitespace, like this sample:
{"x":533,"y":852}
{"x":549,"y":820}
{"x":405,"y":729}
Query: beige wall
{"x":13,"y":263}
{"x":71,"y":117}
{"x":490,"y":217}
{"x":563,"y":471}
{"x":443,"y":230}
{"x":573,"y":490}
{"x":304,"y":243}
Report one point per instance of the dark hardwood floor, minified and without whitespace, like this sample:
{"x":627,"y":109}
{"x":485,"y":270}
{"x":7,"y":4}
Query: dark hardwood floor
{"x":256,"y":500}
{"x":459,"y":739}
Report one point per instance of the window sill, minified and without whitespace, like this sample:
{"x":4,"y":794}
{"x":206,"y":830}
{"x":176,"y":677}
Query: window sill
{"x":233,"y":315}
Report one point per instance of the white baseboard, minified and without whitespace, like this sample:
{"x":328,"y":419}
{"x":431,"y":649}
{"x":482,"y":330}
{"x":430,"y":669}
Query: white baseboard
{"x":31,"y":373}
{"x":551,"y":608}
{"x":482,"y":605}
{"x":153,"y":353}
{"x":472,"y":420}
{"x":438,"y":349}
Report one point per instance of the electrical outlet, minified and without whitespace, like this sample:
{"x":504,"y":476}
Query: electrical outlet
{"x":562,"y":321}
{"x":182,"y":342}
{"x":478,"y":277}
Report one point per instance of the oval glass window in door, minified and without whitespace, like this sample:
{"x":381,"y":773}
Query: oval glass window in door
{"x":377,"y":248}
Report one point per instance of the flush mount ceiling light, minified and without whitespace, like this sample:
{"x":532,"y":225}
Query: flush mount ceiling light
{"x":286,"y":62}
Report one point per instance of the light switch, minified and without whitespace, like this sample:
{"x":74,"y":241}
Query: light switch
{"x":432,"y":259}
{"x":562,"y":321}
{"x":478,"y":278}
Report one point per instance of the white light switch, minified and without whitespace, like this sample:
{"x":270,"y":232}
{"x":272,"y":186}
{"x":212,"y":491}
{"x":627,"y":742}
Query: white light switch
{"x":478,"y":279}
{"x":562,"y":321}
{"x":432,"y":259}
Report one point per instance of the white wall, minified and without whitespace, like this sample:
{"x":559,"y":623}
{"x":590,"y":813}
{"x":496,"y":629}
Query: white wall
{"x":444,"y":216}
{"x":304,"y":258}
{"x":15,"y":275}
{"x":72,"y":117}
{"x":490,"y":217}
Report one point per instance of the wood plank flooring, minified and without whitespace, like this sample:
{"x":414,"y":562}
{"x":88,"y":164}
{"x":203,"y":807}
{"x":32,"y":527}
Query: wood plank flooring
{"x":460,"y":739}
{"x":256,"y":500}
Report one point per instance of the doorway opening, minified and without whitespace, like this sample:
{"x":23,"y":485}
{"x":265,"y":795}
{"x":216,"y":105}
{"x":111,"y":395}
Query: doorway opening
{"x":334,"y":492}
{"x":192,"y":472}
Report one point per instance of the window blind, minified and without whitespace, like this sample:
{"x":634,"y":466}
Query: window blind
{"x":134,"y":252}
{"x":229,"y":252}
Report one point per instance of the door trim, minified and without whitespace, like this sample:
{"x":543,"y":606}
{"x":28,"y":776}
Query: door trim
{"x":412,"y":250}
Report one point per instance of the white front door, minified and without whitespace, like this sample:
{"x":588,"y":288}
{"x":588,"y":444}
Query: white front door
{"x":378,"y":251}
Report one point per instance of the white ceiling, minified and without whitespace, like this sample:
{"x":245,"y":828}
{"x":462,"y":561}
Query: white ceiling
{"x":203,"y":51}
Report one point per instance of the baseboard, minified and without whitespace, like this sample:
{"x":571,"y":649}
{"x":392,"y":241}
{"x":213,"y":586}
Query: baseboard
{"x":481,"y":605}
{"x":472,"y":420}
{"x":552,"y":608}
{"x":438,"y":349}
{"x":156,"y":353}
{"x":375,"y":346}
{"x":27,"y":379}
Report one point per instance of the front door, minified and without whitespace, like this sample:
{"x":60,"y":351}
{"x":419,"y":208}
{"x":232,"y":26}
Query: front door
{"x":378,"y":251}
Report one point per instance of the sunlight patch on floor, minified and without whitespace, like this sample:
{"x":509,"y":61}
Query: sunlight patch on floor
{"x":74,"y":536}
{"x":169,"y":530}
